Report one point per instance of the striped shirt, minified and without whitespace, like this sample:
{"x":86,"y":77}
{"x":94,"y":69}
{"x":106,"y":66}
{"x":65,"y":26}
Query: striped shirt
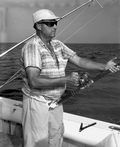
{"x":36,"y":54}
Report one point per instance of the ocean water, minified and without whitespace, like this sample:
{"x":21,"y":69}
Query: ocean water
{"x":99,"y":101}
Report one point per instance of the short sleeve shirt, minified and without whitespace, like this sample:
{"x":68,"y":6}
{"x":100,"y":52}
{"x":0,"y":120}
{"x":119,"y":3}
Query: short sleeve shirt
{"x":36,"y":54}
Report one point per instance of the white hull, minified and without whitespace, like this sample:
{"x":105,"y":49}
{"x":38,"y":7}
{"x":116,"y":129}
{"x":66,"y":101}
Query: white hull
{"x":98,"y":135}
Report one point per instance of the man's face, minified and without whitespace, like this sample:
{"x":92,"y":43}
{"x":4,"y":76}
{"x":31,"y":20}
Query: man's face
{"x":48,"y":28}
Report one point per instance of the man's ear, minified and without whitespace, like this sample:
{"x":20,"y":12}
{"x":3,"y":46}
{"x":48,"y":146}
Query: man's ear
{"x":38,"y":26}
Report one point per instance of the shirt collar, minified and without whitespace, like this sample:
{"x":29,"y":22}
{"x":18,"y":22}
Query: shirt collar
{"x":41,"y":42}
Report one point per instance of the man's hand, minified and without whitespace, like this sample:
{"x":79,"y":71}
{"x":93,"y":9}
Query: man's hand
{"x":111,"y":65}
{"x":73,"y":79}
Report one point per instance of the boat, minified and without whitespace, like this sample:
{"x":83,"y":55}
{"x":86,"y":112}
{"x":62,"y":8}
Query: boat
{"x":79,"y":131}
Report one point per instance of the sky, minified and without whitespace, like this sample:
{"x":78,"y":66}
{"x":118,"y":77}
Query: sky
{"x":92,"y":24}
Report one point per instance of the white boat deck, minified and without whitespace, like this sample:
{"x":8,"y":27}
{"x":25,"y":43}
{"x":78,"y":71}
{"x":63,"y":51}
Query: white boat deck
{"x":98,"y":135}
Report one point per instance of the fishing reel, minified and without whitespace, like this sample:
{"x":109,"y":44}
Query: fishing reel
{"x":85,"y":80}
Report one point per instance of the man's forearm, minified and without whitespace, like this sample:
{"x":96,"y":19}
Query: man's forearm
{"x":88,"y":64}
{"x":46,"y":82}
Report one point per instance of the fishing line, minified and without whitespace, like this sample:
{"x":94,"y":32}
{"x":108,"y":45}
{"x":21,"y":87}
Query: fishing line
{"x":77,"y":17}
{"x":12,"y":78}
{"x":71,"y":22}
{"x":84,"y":26}
{"x":99,"y":3}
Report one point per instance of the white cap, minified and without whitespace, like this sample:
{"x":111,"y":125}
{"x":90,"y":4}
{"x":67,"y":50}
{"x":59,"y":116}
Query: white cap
{"x":43,"y":14}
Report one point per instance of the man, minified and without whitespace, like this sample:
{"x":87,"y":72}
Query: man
{"x":44,"y":62}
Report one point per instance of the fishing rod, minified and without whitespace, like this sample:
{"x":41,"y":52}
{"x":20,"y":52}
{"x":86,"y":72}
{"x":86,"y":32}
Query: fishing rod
{"x":85,"y":81}
{"x":4,"y":53}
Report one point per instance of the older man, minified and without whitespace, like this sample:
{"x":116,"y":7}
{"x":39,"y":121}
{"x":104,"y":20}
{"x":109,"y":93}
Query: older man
{"x":44,"y":62}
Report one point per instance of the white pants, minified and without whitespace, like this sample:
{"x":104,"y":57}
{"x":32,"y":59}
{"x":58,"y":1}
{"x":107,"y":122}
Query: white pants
{"x":41,"y":127}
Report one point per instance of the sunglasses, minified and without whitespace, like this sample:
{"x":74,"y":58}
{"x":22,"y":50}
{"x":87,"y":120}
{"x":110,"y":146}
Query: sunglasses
{"x":49,"y":23}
